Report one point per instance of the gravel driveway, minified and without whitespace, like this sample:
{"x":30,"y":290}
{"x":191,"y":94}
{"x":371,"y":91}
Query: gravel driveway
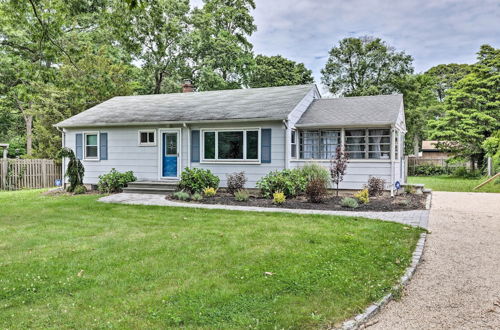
{"x":457,"y":286}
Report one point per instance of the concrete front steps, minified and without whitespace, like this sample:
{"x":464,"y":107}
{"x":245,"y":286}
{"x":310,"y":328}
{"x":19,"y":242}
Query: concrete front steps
{"x":151,"y":187}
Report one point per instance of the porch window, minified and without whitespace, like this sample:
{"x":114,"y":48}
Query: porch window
{"x":239,"y":145}
{"x":368,"y":143}
{"x":91,"y":145}
{"x":318,"y":144}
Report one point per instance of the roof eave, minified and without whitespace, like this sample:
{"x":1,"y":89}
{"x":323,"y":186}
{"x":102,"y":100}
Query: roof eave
{"x":323,"y":125}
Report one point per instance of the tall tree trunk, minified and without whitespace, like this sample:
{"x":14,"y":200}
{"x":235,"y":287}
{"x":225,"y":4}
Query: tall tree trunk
{"x":416,"y":146}
{"x":28,"y":119}
{"x":158,"y":82}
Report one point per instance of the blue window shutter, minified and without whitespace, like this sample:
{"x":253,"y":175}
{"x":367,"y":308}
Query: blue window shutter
{"x":195,"y":146}
{"x":103,"y":144}
{"x":265,"y":145}
{"x":79,"y":146}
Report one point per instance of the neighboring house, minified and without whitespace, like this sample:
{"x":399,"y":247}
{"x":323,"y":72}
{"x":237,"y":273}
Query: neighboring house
{"x":429,"y":150}
{"x":252,"y":130}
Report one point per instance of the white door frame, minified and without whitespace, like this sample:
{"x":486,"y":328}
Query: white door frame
{"x":160,"y":152}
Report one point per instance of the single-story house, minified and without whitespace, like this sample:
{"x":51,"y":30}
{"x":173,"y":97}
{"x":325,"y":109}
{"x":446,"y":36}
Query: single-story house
{"x":255,"y":130}
{"x":430,"y":151}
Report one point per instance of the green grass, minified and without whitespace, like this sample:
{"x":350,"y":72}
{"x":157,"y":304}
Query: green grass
{"x":450,"y":183}
{"x":158,"y":267}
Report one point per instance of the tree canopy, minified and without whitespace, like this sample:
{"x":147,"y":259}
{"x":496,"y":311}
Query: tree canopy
{"x":278,"y":71}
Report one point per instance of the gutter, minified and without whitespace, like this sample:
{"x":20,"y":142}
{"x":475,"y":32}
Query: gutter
{"x":63,"y":160}
{"x":287,"y":145}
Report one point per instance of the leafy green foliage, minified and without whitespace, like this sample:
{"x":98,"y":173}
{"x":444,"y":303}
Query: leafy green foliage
{"x":79,"y":190}
{"x":272,"y":71}
{"x":114,"y":181}
{"x":241,"y":195}
{"x":197,"y":179}
{"x":492,"y":148}
{"x":235,"y":182}
{"x":349,"y":202}
{"x":430,"y":169}
{"x":75,"y":169}
{"x":197,"y":197}
{"x":313,"y":171}
{"x":290,"y":182}
{"x":364,"y":66}
{"x":446,"y":76}
{"x":472,"y":106}
{"x":209,"y":192}
{"x":316,"y":190}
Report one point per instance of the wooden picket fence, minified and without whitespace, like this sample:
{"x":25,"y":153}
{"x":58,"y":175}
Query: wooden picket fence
{"x":28,"y":173}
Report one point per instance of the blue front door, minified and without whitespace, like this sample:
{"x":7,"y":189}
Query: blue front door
{"x":170,"y":153}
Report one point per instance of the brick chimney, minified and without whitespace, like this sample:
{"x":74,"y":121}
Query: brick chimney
{"x":187,"y":87}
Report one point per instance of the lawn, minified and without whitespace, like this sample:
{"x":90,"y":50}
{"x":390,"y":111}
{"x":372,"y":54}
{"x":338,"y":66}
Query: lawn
{"x":450,"y":183}
{"x":71,"y":262}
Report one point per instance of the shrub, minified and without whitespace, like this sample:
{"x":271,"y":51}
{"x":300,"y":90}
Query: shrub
{"x":114,"y":181}
{"x":316,"y":190}
{"x":279,"y":198}
{"x":235,"y":182}
{"x":181,"y":195}
{"x":375,"y":186}
{"x":241,"y":195}
{"x":75,"y":169}
{"x":463,"y":172}
{"x":196,"y":179}
{"x":362,"y":196}
{"x":289,"y":182}
{"x":209,"y":192}
{"x":338,"y":166}
{"x":80,"y":189}
{"x":349,"y":202}
{"x":409,"y":189}
{"x":430,"y":169}
{"x":315,"y":171}
{"x":197,"y":197}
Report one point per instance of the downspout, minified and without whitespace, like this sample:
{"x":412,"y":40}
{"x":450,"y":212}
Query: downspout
{"x":188,"y":144}
{"x":393,"y":140}
{"x":287,"y":145}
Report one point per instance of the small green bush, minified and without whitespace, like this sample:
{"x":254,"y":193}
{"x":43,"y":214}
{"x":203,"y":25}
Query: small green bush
{"x":80,"y":189}
{"x":349,"y":202}
{"x":235,"y":182}
{"x":409,"y":189}
{"x":430,"y":169}
{"x":241,"y":195}
{"x":196,"y":179}
{"x":464,"y":172}
{"x":289,"y":182}
{"x":197,"y":197}
{"x":209,"y":192}
{"x":181,"y":195}
{"x":315,"y":171}
{"x":114,"y":181}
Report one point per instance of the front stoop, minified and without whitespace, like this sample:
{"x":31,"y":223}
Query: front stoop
{"x":151,"y":187}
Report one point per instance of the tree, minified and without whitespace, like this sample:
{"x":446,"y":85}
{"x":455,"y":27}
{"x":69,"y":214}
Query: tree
{"x":154,"y":32}
{"x":472,"y":109}
{"x":220,"y":53}
{"x":446,"y":76}
{"x":272,"y":71}
{"x":364,"y":66}
{"x":75,"y":170}
{"x":338,"y":166}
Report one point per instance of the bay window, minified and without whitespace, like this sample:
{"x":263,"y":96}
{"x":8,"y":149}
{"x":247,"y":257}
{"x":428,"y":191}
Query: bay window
{"x":237,"y":145}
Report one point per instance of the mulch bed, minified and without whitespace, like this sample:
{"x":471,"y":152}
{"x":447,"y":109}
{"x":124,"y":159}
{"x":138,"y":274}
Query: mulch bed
{"x":402,"y":202}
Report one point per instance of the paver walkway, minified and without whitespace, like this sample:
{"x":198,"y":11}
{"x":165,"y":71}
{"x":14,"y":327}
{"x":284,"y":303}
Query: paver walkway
{"x":457,"y":286}
{"x":412,"y":218}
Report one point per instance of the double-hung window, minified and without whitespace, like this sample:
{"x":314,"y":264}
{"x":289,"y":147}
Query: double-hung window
{"x":91,"y":148}
{"x":231,"y":145}
{"x":318,"y":144}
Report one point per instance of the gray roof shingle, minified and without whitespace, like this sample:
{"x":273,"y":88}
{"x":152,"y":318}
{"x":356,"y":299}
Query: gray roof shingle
{"x":273,"y":103}
{"x":353,"y":111}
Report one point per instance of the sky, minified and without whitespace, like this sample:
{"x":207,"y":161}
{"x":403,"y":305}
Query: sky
{"x":432,"y":31}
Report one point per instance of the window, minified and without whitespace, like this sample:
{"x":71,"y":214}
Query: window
{"x":318,"y":144}
{"x":294,"y":144}
{"x":91,"y":145}
{"x":368,"y":143}
{"x":147,"y":138}
{"x":240,"y":145}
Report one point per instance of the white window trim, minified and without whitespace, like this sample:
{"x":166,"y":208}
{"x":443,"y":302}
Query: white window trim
{"x":84,"y":144}
{"x":297,"y":136}
{"x":147,"y":144}
{"x":230,"y":161}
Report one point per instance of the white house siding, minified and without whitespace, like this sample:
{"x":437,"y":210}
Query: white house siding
{"x":357,"y":173}
{"x":253,"y":172}
{"x":124,"y":154}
